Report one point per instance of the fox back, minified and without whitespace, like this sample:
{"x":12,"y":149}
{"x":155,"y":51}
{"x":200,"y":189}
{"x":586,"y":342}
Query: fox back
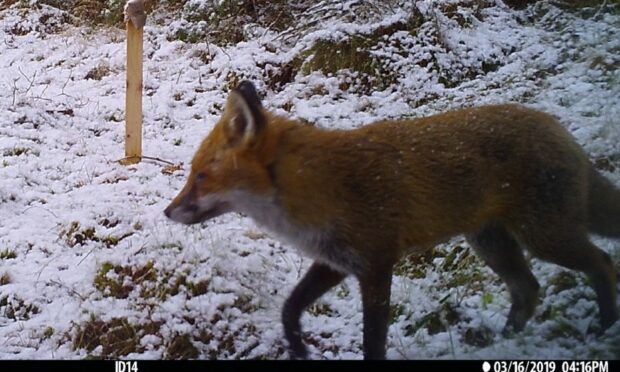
{"x":506,"y":176}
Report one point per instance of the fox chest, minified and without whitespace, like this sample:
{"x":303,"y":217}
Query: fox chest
{"x":319,"y":243}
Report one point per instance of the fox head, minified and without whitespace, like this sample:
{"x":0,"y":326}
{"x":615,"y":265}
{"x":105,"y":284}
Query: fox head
{"x":230,"y":162}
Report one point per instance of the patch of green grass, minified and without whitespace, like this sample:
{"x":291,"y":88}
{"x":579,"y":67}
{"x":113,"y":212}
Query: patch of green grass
{"x":563,"y":280}
{"x":563,"y":328}
{"x":117,"y":337}
{"x":551,"y":312}
{"x":415,"y":266}
{"x":320,"y":308}
{"x":19,"y":151}
{"x":342,"y":291}
{"x":487,"y":299}
{"x":75,"y":234}
{"x":461,"y":268}
{"x":181,"y":347}
{"x":8,"y":254}
{"x":435,"y":321}
{"x":118,"y":281}
{"x":49,"y":332}
{"x":396,"y":311}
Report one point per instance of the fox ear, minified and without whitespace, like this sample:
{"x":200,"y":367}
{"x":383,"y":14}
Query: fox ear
{"x":245,"y":118}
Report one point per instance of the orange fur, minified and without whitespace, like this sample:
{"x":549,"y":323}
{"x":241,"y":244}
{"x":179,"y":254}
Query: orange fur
{"x":507,"y":176}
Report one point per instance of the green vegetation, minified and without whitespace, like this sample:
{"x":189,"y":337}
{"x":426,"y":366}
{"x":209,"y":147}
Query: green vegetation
{"x":14,"y":308}
{"x":18,"y":151}
{"x":76,"y":235}
{"x":117,"y":337}
{"x":435,"y":321}
{"x":119,"y":281}
{"x":7,"y":254}
{"x":5,"y":279}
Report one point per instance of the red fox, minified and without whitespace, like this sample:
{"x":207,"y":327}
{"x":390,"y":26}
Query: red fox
{"x":507,"y":177}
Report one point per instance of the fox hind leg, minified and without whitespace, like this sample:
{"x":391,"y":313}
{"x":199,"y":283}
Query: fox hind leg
{"x":572,"y":249}
{"x":498,"y":249}
{"x":375,"y":290}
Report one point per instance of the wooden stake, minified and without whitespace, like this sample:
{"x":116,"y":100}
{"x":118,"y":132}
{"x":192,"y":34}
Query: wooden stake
{"x":133,"y":97}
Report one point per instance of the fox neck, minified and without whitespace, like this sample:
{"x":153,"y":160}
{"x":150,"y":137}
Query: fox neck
{"x":318,"y":243}
{"x":291,"y":215}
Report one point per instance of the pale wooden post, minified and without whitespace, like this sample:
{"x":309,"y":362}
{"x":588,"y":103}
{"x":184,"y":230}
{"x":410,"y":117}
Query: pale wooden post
{"x":135,"y":17}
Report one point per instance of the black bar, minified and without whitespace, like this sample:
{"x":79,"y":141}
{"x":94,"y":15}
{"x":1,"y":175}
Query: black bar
{"x":258,"y":365}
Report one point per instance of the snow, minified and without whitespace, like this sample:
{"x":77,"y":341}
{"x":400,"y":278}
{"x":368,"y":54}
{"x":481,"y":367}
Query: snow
{"x":69,"y":131}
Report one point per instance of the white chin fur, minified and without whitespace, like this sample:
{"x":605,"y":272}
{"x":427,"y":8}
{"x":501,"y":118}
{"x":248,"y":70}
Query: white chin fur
{"x":315,"y":242}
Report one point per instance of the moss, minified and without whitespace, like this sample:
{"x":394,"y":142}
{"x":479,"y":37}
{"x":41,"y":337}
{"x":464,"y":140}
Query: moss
{"x":353,"y":54}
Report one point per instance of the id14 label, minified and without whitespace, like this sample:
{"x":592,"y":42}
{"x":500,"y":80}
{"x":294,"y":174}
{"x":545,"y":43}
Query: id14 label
{"x":125,"y":366}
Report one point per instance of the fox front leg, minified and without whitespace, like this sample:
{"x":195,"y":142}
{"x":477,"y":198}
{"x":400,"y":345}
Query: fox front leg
{"x":318,"y":280}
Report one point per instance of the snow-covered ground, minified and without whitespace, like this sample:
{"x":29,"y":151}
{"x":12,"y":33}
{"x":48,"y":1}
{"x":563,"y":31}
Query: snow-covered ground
{"x":90,"y":266}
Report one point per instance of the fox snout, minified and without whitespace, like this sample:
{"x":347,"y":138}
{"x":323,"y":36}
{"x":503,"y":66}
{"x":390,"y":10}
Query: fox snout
{"x":189,"y":211}
{"x":182,"y":210}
